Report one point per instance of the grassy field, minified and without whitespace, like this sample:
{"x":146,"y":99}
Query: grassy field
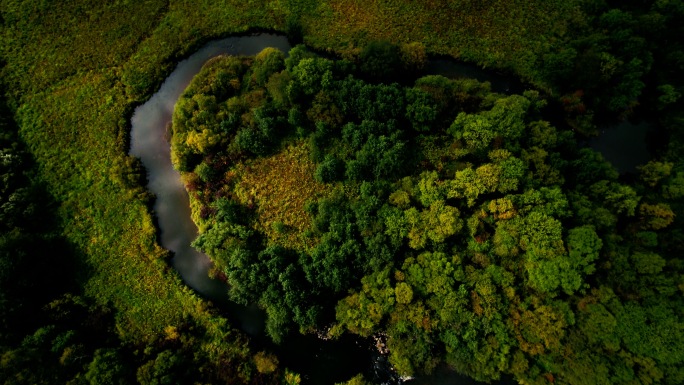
{"x":280,"y":187}
{"x":66,"y":76}
{"x":505,"y":34}
{"x":75,"y":70}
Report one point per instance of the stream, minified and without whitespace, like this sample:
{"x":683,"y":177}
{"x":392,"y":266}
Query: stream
{"x":318,"y":361}
{"x":149,"y":142}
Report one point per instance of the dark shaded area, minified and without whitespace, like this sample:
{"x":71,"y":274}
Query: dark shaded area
{"x":625,"y":145}
{"x":500,"y":82}
{"x":36,"y":264}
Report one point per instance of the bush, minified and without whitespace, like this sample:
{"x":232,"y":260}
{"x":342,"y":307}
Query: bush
{"x":251,"y":140}
{"x":330,"y":170}
{"x":266,"y":63}
{"x":381,"y":61}
{"x":205,"y":172}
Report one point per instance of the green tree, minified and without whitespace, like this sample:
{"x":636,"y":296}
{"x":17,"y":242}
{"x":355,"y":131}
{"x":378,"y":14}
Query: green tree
{"x":296,"y":55}
{"x":653,"y":172}
{"x":166,"y":368}
{"x":421,"y":110}
{"x":436,"y":224}
{"x":356,"y":380}
{"x":674,"y":188}
{"x":430,"y":188}
{"x":266,"y":63}
{"x":380,"y":60}
{"x":403,"y":293}
{"x":330,"y":170}
{"x":362,"y":312}
{"x":647,"y":263}
{"x":107,"y":368}
{"x":656,"y":216}
{"x":599,"y":326}
{"x":312,"y":74}
{"x":505,"y":120}
{"x":583,"y":248}
{"x":466,"y":184}
{"x":413,"y":56}
{"x":431,"y":273}
{"x":265,"y":362}
{"x":543,"y":328}
{"x":621,"y":198}
{"x":668,"y":95}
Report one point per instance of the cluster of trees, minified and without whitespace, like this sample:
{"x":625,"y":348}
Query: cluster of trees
{"x":463,"y":227}
{"x":603,"y":56}
{"x":619,"y":57}
{"x":77,"y":343}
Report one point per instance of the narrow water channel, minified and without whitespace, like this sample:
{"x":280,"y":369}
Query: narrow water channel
{"x":320,"y":362}
{"x":624,"y":145}
{"x":149,"y":142}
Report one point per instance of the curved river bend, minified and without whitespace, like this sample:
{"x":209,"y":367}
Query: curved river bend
{"x":318,"y":361}
{"x":149,"y":142}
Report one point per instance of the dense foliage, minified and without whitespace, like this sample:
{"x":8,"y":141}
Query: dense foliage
{"x":454,"y":222}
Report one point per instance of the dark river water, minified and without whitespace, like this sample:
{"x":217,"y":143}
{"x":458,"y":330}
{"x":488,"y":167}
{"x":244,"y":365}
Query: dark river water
{"x":624,"y":145}
{"x":319,"y":361}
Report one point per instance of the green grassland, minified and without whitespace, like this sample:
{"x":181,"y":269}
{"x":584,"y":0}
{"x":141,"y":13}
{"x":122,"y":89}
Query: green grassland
{"x":280,"y":186}
{"x":66,"y":68}
{"x":509,"y":34}
{"x":73,"y":108}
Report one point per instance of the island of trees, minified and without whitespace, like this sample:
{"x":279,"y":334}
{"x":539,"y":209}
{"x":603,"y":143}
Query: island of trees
{"x":456,"y":223}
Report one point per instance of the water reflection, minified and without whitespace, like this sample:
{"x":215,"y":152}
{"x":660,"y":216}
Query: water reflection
{"x":148,"y":142}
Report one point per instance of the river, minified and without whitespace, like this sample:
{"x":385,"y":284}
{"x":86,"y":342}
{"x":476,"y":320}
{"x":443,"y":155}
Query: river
{"x":624,"y":145}
{"x":318,"y":361}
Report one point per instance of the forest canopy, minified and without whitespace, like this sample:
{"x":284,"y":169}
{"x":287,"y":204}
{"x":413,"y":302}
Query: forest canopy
{"x":457,"y":223}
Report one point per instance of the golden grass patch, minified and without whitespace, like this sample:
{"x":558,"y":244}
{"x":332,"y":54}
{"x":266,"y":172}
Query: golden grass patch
{"x":279,"y":187}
